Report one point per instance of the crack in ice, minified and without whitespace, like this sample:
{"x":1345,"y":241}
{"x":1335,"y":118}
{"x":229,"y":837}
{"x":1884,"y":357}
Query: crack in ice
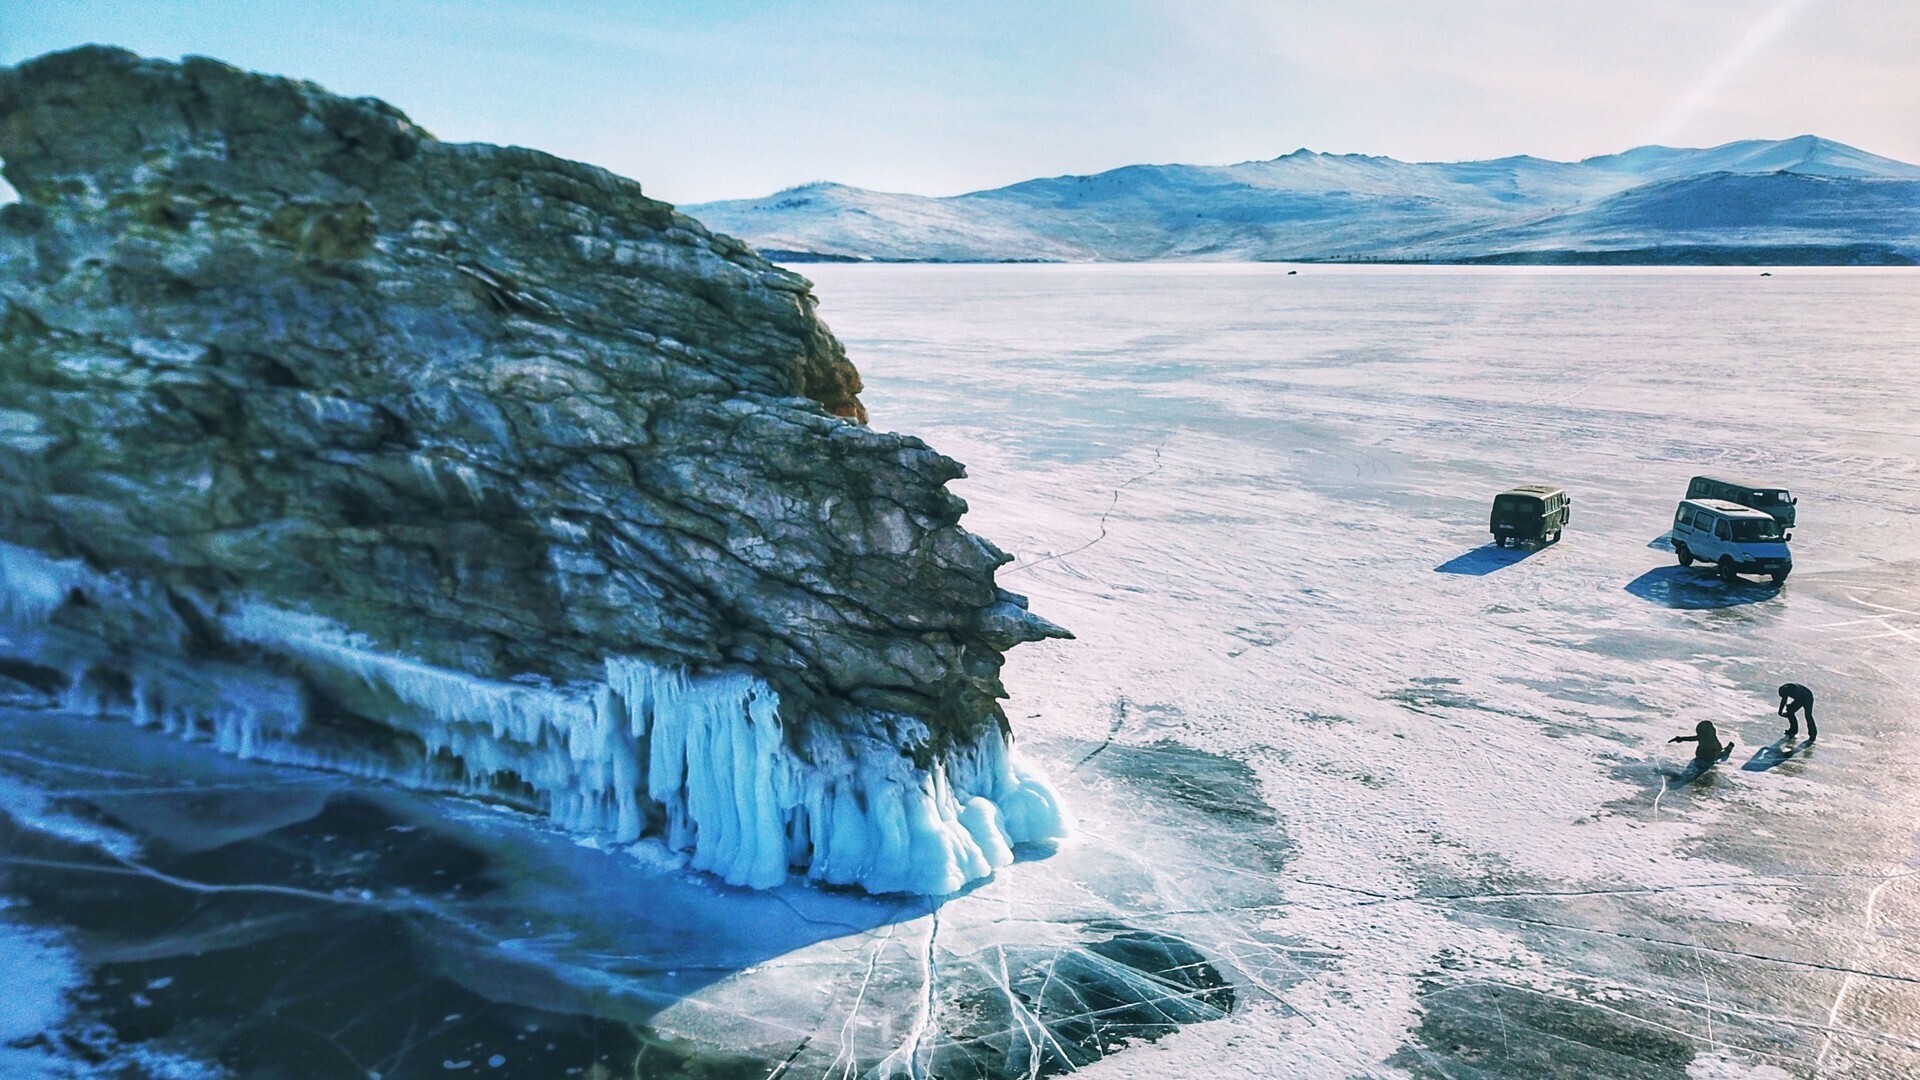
{"x":1103,"y":518}
{"x":1846,"y":984}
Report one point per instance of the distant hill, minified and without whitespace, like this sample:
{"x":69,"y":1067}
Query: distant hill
{"x":1800,"y":200}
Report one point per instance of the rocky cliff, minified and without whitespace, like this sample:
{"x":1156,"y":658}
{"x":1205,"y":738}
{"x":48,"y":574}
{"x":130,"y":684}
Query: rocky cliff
{"x":476,"y":468}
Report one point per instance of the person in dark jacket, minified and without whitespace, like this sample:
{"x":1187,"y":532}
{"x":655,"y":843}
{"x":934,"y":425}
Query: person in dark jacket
{"x":1793,"y":698}
{"x":1710,"y":748}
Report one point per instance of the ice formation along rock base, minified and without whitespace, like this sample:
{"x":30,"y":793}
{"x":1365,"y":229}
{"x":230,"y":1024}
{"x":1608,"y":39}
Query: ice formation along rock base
{"x":703,"y":761}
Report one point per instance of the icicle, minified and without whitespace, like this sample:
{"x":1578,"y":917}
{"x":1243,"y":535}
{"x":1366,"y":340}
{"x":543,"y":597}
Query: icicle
{"x":746,"y":807}
{"x":709,"y":754}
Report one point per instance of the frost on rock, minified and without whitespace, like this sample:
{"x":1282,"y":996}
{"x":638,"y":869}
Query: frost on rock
{"x":703,"y":761}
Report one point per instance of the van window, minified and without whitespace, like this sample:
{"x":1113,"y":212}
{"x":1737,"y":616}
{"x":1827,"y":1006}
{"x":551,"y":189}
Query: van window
{"x":1683,"y":518}
{"x":1698,"y":488}
{"x":1749,"y":531}
{"x":1720,"y":530}
{"x":1516,"y":504}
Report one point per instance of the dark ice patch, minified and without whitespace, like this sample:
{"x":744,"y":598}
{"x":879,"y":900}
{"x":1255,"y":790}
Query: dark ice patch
{"x":1214,"y":785}
{"x":276,"y":924}
{"x":1428,"y":695}
{"x":296,"y":953}
{"x":1065,"y":1008}
{"x":1487,"y":1030}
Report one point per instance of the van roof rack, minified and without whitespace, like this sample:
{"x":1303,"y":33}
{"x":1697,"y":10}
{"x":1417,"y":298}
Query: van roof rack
{"x":1729,"y":509}
{"x":1739,"y":483}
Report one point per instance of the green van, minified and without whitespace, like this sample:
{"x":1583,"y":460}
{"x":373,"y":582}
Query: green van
{"x":1531,"y":512}
{"x":1774,"y":501}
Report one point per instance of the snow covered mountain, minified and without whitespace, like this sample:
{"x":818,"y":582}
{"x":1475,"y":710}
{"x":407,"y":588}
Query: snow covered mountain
{"x":1804,"y":199}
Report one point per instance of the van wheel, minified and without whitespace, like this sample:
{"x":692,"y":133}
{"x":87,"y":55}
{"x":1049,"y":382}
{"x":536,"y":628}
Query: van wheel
{"x":1727,"y":572}
{"x":1680,"y":552}
{"x":1779,"y":576}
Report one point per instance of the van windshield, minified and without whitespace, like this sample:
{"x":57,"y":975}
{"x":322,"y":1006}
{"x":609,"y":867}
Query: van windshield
{"x":1750,"y":530}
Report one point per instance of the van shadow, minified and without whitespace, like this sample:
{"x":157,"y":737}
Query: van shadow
{"x":1487,"y":558}
{"x":1695,"y":588}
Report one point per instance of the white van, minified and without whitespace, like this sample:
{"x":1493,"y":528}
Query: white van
{"x":1735,"y":538}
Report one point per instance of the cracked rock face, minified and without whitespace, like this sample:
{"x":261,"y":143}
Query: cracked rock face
{"x":483,"y":407}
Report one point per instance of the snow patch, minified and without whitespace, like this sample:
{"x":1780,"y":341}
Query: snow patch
{"x":33,"y":586}
{"x":41,"y":972}
{"x":31,"y":808}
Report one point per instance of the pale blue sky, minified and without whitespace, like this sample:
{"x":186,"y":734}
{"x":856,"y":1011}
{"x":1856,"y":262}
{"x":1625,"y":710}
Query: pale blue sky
{"x":723,"y":99}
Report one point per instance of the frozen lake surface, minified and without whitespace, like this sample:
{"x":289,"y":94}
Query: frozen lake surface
{"x":1357,"y":795}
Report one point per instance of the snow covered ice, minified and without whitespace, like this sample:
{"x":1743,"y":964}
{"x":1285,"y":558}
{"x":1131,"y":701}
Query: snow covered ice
{"x":1237,"y":486}
{"x":1354,"y":796}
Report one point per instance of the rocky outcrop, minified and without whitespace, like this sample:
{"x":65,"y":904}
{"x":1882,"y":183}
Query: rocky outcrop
{"x":481,"y":469}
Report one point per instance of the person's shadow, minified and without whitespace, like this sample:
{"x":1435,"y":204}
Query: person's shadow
{"x":1666,"y":778}
{"x":1487,"y":558}
{"x":1776,"y":754}
{"x":1694,"y":772}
